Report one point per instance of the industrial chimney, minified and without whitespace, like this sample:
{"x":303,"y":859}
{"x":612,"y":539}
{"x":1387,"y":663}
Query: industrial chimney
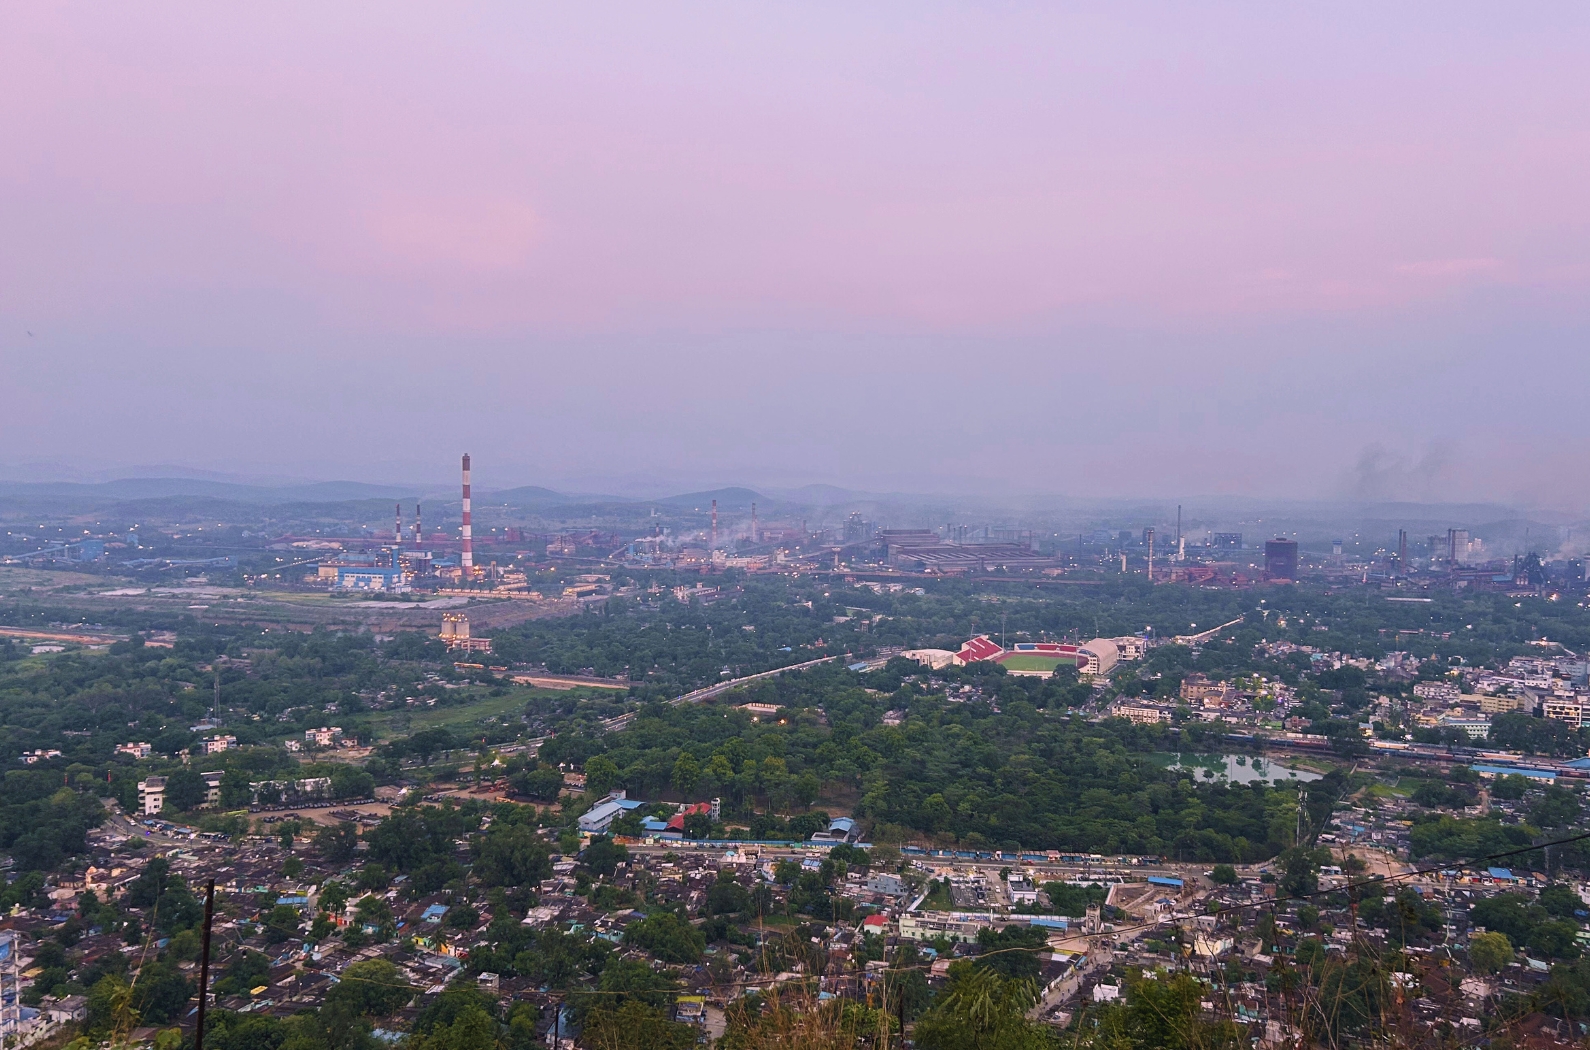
{"x":714,"y":544}
{"x":467,"y":559}
{"x":397,"y":531}
{"x":419,"y":537}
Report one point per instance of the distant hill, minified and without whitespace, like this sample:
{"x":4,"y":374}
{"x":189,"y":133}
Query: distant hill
{"x":727,"y":498}
{"x":819,"y":495}
{"x":167,"y":488}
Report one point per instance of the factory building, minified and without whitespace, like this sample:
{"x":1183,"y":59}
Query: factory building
{"x":455,"y":634}
{"x":1280,"y":559}
{"x":388,"y":578}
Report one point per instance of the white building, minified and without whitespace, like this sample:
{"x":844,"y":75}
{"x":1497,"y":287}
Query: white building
{"x":600,"y":817}
{"x":322,"y":737}
{"x":1102,"y":656}
{"x":933,"y":659}
{"x":212,"y":787}
{"x":139,"y":750}
{"x":1570,"y":711}
{"x":1444,"y":691}
{"x":1143,"y":714}
{"x":1476,"y":728}
{"x":151,"y":795}
{"x":1130,"y":646}
{"x":218,"y":743}
{"x":952,"y":925}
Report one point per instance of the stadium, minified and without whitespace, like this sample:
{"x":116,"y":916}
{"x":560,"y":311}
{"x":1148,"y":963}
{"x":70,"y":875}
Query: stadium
{"x":1040,"y":659}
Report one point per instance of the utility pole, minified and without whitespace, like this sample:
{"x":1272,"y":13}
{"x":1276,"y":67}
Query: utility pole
{"x":204,"y":965}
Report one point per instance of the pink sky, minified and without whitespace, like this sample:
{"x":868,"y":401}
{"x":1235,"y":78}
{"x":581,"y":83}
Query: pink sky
{"x":760,"y":203}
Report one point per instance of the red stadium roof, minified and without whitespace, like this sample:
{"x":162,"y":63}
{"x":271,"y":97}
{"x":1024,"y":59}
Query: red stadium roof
{"x":979,"y":648}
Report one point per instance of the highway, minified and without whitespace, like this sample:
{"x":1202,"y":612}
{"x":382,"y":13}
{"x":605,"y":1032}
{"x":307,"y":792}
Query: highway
{"x":612,"y":725}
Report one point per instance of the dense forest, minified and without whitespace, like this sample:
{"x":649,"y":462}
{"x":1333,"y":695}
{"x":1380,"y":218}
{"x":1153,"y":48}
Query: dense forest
{"x":990,"y":772}
{"x":978,"y":756}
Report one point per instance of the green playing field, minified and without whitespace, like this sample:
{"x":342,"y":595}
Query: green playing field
{"x":1033,"y":662}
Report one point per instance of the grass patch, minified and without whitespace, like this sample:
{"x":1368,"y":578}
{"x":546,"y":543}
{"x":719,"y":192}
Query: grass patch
{"x":49,"y":579}
{"x":1032,"y":662}
{"x":938,"y":898}
{"x":408,"y":720}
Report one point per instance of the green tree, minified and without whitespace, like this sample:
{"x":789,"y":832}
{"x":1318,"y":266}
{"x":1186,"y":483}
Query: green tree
{"x":402,"y":842}
{"x":374,"y":911}
{"x":1300,"y":869}
{"x":636,"y":1026}
{"x":543,"y":784}
{"x":686,"y":774}
{"x":333,"y":897}
{"x":282,"y":924}
{"x":160,"y":993}
{"x":668,"y":937}
{"x":185,"y":789}
{"x":351,"y":782}
{"x":338,"y":842}
{"x":601,"y":775}
{"x":1511,"y":787}
{"x":235,"y":791}
{"x":1489,"y":952}
{"x":1558,"y":807}
{"x":371,"y":988}
{"x":980,"y":1010}
{"x":427,"y":743}
{"x":1168,"y":1014}
{"x":510,"y":856}
{"x":472,"y":1029}
{"x":110,"y":1007}
{"x":603,"y":856}
{"x":629,"y":980}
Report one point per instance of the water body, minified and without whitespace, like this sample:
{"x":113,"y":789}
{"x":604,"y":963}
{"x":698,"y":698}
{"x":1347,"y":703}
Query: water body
{"x":1235,"y":769}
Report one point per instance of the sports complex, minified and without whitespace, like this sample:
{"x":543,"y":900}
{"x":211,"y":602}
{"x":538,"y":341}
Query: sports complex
{"x":1040,"y":659}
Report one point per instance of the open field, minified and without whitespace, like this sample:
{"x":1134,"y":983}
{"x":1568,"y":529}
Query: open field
{"x":14,"y":578}
{"x":404,"y":721}
{"x":1027,"y":662}
{"x":90,"y":597}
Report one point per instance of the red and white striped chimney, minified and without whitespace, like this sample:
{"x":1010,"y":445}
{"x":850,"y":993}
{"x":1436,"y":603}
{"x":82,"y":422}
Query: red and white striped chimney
{"x":397,"y":531}
{"x":467,"y":561}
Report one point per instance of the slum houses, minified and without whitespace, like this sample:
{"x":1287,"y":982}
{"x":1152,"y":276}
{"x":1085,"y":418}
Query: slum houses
{"x":1232,"y":933}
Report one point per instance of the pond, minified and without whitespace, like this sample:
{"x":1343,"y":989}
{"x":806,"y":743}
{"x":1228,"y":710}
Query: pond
{"x":1235,"y":769}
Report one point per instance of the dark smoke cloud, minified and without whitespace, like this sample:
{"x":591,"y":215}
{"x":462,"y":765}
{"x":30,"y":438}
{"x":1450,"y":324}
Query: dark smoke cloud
{"x":1385,"y":474}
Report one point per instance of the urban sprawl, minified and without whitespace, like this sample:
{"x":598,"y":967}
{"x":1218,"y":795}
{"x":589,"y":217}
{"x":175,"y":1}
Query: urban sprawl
{"x":757,"y":771}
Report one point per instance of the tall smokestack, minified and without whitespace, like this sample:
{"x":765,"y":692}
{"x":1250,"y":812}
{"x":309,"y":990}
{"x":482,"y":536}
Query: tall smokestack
{"x":419,"y":537}
{"x":714,"y":544}
{"x":1150,"y":534}
{"x":467,"y":560}
{"x":1402,"y":552}
{"x":397,"y":530}
{"x":755,"y":532}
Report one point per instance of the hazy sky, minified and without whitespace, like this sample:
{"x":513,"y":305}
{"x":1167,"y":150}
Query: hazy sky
{"x":1142,"y":249}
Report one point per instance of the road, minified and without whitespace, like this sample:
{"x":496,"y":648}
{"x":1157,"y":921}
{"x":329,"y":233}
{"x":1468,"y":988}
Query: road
{"x":60,"y":636}
{"x":612,"y":725}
